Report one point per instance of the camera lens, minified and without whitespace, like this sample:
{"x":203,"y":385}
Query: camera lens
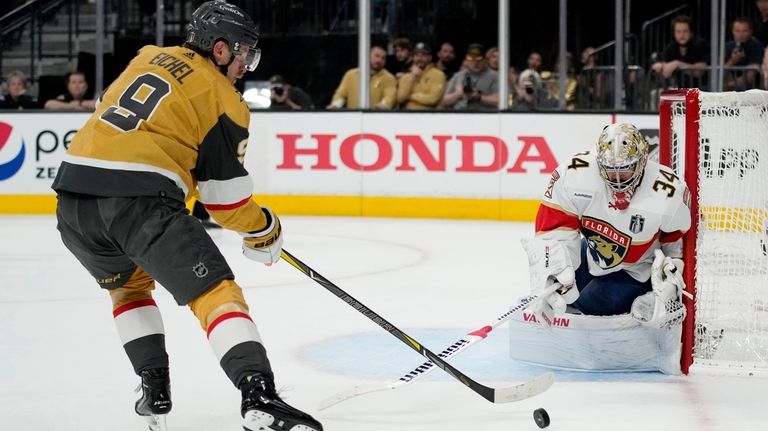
{"x":529,"y":90}
{"x":278,"y":91}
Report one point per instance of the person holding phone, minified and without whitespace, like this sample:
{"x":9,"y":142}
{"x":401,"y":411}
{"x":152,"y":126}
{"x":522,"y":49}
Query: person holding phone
{"x":743,"y":54}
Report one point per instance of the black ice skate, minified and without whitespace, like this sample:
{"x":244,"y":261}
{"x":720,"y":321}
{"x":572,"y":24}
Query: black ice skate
{"x":263,"y":410}
{"x":155,"y":402}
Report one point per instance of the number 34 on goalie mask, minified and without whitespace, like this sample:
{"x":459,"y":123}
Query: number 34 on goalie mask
{"x":622,"y":152}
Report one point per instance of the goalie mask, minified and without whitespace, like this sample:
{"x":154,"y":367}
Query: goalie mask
{"x":218,"y":20}
{"x":622,"y":153}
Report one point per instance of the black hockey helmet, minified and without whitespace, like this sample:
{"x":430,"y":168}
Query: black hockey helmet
{"x":216,"y":20}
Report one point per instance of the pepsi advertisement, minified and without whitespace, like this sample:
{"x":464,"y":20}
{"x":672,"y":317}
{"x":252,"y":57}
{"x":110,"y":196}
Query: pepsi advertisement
{"x":31,"y":149}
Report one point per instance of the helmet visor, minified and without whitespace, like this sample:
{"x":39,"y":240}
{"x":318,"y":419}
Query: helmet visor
{"x":250,"y":56}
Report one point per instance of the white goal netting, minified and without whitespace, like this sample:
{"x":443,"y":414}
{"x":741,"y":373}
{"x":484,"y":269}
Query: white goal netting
{"x":731,"y":258}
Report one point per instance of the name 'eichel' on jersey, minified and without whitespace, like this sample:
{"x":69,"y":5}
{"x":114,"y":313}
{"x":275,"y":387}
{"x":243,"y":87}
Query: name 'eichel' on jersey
{"x":168,"y":86}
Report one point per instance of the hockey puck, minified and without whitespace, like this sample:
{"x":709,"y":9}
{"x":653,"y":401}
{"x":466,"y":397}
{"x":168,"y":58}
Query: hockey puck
{"x":541,"y":417}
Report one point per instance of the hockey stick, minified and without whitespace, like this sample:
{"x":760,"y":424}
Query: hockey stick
{"x":428,"y":366}
{"x":494,"y":395}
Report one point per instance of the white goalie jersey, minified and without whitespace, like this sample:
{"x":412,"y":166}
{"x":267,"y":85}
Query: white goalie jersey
{"x":577,"y":203}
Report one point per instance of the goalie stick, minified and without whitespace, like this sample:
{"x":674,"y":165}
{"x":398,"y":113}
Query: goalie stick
{"x":495,"y":395}
{"x":428,"y":366}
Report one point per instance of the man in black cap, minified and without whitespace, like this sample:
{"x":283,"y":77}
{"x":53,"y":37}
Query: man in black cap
{"x":421,"y":88}
{"x":476,"y":87}
{"x":286,"y":97}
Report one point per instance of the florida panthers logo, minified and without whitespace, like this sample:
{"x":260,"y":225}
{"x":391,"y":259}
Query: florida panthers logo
{"x":605,"y":244}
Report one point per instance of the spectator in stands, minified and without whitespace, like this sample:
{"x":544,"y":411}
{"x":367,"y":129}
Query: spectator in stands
{"x":552,"y":84}
{"x":534,"y":66}
{"x":686,"y":51}
{"x":532,"y":94}
{"x":591,"y":83}
{"x":74,"y":99}
{"x":765,"y":69}
{"x":400,"y":63}
{"x":383,"y":91}
{"x":474,"y":88}
{"x":16,"y":97}
{"x":534,"y":61}
{"x":513,"y":77}
{"x":588,"y":58}
{"x":287,"y":97}
{"x":743,"y":51}
{"x":421,"y":88}
{"x":492,"y":58}
{"x":445,"y":60}
{"x":761,"y":30}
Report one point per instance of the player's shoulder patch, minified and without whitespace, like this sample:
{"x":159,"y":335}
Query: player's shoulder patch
{"x":687,"y":197}
{"x":552,"y":180}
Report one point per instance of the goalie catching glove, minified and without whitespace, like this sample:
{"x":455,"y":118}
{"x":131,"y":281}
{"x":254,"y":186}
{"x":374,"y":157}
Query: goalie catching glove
{"x":553,"y":279}
{"x":662,"y":307}
{"x":264,"y":245}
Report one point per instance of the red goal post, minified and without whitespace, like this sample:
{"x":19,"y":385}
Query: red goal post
{"x":718,"y":142}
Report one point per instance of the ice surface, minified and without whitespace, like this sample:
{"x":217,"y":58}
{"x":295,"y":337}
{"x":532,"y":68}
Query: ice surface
{"x":62,"y":366}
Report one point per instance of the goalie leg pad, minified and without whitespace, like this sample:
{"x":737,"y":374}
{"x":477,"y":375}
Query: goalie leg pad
{"x":596,"y":343}
{"x":650,"y":310}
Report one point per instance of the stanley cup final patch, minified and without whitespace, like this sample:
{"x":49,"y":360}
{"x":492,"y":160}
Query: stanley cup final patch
{"x":636,"y":223}
{"x":606,"y":245}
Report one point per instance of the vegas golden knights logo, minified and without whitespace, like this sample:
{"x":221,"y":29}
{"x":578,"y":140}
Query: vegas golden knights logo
{"x":636,"y":223}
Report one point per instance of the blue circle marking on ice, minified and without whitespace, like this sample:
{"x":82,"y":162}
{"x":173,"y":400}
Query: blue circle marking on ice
{"x":380,"y":356}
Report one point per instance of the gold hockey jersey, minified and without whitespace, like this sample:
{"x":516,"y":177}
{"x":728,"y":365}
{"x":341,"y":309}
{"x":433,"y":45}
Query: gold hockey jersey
{"x":170,"y":123}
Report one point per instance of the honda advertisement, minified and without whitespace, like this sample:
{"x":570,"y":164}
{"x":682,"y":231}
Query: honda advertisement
{"x":505,"y":156}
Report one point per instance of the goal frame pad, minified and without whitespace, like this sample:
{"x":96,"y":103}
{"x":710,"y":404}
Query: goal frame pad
{"x":691,"y":99}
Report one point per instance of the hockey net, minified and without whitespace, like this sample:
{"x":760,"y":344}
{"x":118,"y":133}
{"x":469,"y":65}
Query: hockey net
{"x":718,"y":142}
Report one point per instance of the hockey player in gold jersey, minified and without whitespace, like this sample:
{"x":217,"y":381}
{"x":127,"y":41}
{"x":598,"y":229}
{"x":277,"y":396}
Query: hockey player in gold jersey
{"x":170,"y":124}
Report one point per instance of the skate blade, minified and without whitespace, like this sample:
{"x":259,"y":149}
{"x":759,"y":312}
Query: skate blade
{"x":156,"y":422}
{"x":255,"y":420}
